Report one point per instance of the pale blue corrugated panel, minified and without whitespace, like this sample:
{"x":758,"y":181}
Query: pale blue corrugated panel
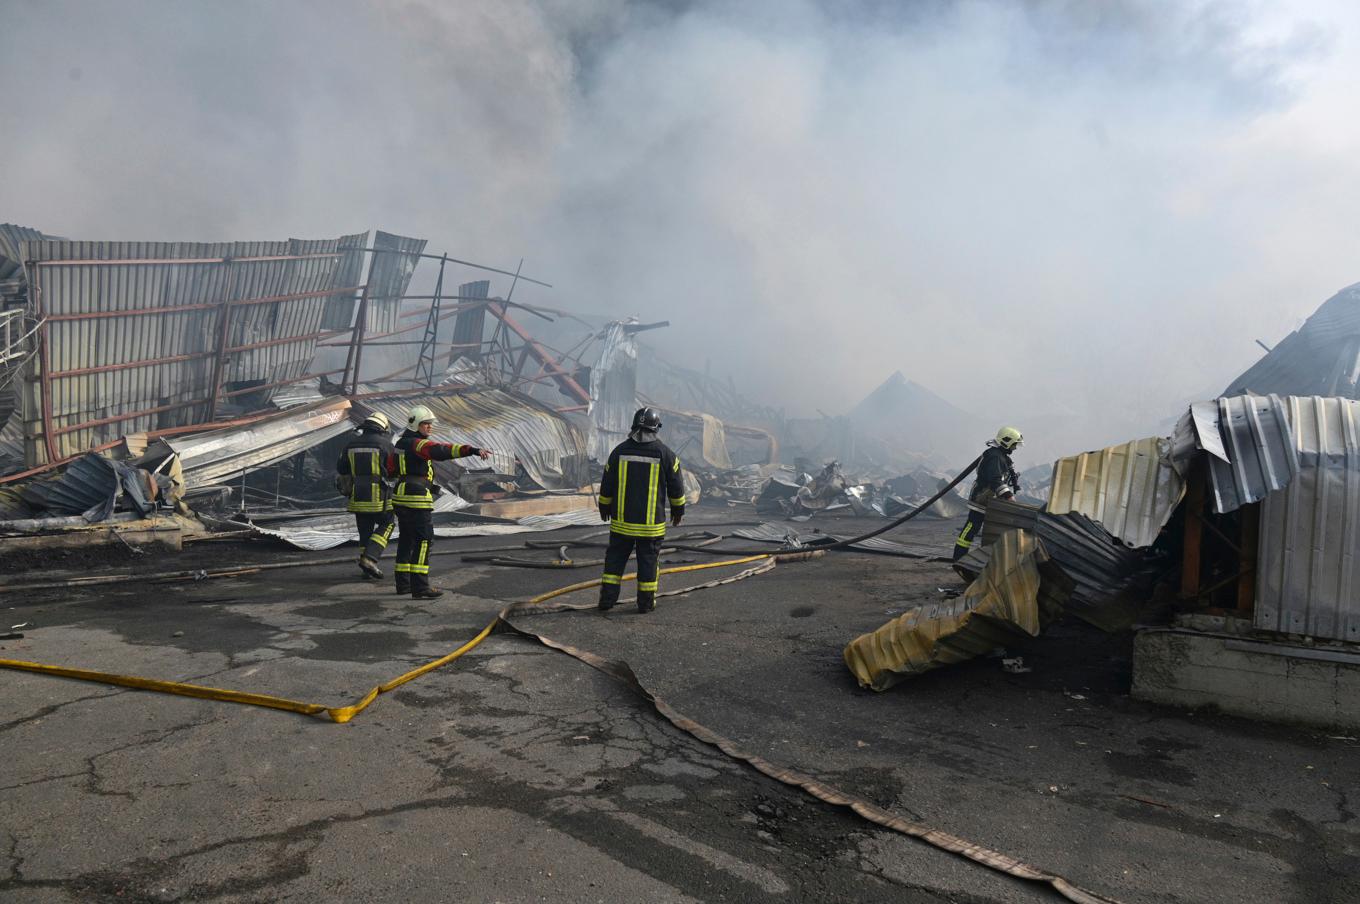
{"x":1130,"y":489}
{"x":1308,"y":573}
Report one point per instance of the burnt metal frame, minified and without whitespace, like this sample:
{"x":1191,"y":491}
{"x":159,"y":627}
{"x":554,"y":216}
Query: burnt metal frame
{"x":511,"y":346}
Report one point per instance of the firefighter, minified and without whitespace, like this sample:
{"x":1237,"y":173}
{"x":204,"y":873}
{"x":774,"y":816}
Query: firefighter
{"x":412,"y":465}
{"x":641,"y":477}
{"x":361,"y":468}
{"x":996,"y":478}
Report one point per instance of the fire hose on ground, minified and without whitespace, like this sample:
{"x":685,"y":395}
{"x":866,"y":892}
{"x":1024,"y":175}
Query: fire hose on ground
{"x":623,"y":672}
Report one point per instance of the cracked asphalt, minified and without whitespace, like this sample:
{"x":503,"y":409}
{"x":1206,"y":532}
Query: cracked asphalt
{"x":519,"y":774}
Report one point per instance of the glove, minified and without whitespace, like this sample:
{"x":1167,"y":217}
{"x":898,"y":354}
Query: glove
{"x":606,"y":512}
{"x":676,"y":516}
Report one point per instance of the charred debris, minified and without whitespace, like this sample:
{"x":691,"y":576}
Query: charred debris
{"x":172,"y":391}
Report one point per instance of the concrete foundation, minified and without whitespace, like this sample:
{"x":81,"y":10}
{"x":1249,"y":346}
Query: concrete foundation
{"x":1248,"y":676}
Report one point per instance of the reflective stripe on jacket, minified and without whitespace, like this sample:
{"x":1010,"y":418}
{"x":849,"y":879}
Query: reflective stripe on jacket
{"x":364,"y":460}
{"x":640,"y":480}
{"x":413,"y":467}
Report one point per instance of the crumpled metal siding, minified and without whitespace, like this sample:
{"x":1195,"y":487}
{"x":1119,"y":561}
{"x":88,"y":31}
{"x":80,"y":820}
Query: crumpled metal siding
{"x":613,"y":391}
{"x":1308,"y":570}
{"x":221,"y":455}
{"x":1013,"y":598}
{"x":509,"y":423}
{"x":172,"y":286}
{"x":1130,"y":489}
{"x":1102,"y":569}
{"x":1260,"y":453}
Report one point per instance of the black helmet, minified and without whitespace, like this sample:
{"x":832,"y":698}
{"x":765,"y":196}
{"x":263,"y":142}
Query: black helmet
{"x":647,"y":419}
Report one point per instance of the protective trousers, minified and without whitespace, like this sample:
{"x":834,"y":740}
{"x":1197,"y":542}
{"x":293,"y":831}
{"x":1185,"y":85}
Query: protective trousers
{"x":375,"y":529}
{"x":616,"y":557}
{"x":415,"y":532}
{"x":972,"y":529}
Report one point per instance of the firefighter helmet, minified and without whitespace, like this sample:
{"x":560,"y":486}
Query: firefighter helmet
{"x":1009,"y":438}
{"x":647,"y":419}
{"x":378,"y":421}
{"x":420,"y":415}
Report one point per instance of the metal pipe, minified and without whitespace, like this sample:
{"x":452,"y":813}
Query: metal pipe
{"x":131,"y":415}
{"x":45,"y":363}
{"x":452,"y":260}
{"x":163,"y":261}
{"x":179,"y":309}
{"x":278,"y":383}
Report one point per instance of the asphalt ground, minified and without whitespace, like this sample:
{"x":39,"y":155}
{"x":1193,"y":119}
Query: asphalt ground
{"x":519,"y":774}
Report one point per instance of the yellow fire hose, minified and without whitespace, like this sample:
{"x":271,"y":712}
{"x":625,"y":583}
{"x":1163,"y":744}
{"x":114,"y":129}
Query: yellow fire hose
{"x":339,"y":713}
{"x":828,"y":794}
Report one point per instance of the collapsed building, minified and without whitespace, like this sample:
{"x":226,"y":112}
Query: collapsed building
{"x":1237,"y":538}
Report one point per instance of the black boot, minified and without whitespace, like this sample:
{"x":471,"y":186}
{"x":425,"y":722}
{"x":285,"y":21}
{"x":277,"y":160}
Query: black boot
{"x":609,"y":595}
{"x":646,"y":601}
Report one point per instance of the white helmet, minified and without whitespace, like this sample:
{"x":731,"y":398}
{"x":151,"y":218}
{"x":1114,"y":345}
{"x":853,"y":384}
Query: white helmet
{"x":379,"y":420}
{"x":1009,"y":438}
{"x":420,"y":415}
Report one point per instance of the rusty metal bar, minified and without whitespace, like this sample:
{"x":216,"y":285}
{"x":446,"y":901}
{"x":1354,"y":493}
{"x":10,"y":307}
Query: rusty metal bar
{"x":131,"y":415}
{"x":35,"y":298}
{"x":278,"y":383}
{"x":224,"y":330}
{"x":174,"y":261}
{"x":128,"y":365}
{"x":360,"y":329}
{"x":183,"y":308}
{"x":564,"y":380}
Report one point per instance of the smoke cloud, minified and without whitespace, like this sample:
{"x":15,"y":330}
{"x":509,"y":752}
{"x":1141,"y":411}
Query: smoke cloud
{"x":1064,"y":214}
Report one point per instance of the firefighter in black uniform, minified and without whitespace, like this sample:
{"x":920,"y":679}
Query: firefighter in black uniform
{"x":361,"y":468}
{"x":412,"y":465}
{"x":641,"y":477}
{"x":996,"y":477}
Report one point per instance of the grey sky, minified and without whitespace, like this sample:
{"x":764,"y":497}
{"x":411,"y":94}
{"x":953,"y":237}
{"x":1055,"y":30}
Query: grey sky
{"x":1052,"y":208}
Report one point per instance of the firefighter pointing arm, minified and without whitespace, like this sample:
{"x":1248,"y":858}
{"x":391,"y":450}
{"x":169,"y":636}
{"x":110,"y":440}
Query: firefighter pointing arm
{"x":412,"y":465}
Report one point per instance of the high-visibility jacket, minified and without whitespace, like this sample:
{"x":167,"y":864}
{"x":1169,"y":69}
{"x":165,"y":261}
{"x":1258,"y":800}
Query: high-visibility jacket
{"x":364,"y":462}
{"x":996,"y":477}
{"x":412,"y":465}
{"x":640,"y":479}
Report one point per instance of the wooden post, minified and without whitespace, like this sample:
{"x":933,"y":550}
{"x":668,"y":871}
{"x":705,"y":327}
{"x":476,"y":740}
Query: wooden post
{"x":1194,"y":533}
{"x":1249,"y":538}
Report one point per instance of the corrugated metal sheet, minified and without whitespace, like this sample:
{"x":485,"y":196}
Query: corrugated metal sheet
{"x":1320,"y":358}
{"x":1013,"y":598}
{"x":613,"y":391}
{"x":330,"y":531}
{"x":220,"y":455}
{"x":470,"y":325}
{"x":1260,"y":454}
{"x":1129,"y":489}
{"x":788,"y":537}
{"x":338,"y":311}
{"x":1308,"y":570}
{"x":509,"y":423}
{"x":188,"y":290}
{"x":1102,"y":569}
{"x":388,"y":276}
